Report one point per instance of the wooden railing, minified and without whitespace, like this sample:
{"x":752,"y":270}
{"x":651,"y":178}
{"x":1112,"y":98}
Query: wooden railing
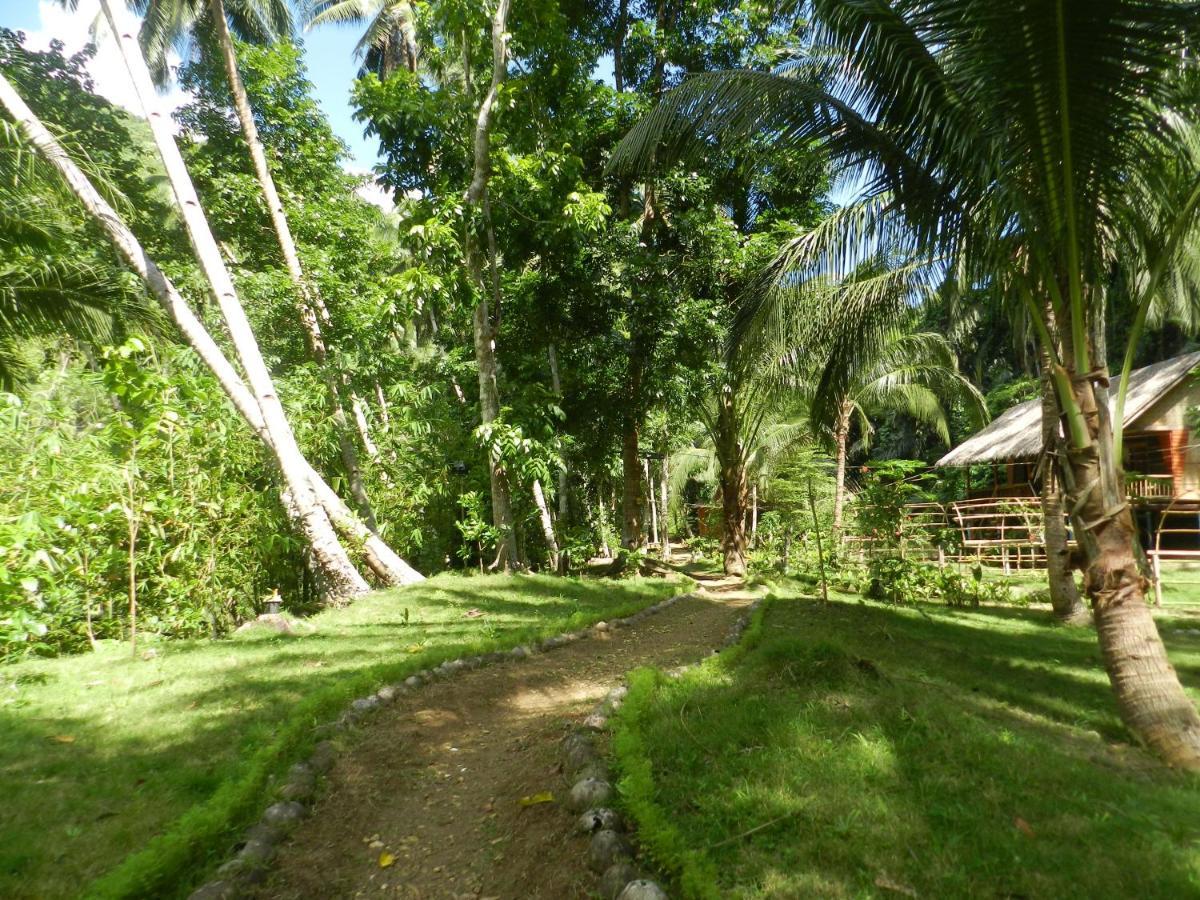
{"x":1149,"y":487}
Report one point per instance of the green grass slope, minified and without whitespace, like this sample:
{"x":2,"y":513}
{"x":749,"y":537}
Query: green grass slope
{"x":141,"y":770}
{"x":861,"y":751}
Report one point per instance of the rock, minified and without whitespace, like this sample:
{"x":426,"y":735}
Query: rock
{"x":267,"y":834}
{"x":413,"y":681}
{"x":300,"y":786}
{"x":454,"y":666}
{"x":366,"y":704}
{"x":256,"y":853}
{"x":587,"y":793}
{"x":642,"y":890}
{"x":617,"y":694}
{"x":276,"y":623}
{"x":283,"y":815}
{"x":608,"y":847}
{"x":214,"y":890}
{"x":596,"y":722}
{"x":323,"y":756}
{"x":615,"y":877}
{"x":599,"y":819}
{"x":386,"y":694}
{"x":595,"y":769}
{"x":600,"y":626}
{"x":578,"y":751}
{"x":521,"y":652}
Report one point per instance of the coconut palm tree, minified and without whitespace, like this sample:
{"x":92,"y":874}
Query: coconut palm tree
{"x":204,"y":25}
{"x":332,"y":563}
{"x":389,"y":39}
{"x":383,"y":561}
{"x":912,"y":372}
{"x":1019,"y":138}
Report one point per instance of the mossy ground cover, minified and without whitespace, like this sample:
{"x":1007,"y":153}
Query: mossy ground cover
{"x":857,"y":750}
{"x":140,"y":769}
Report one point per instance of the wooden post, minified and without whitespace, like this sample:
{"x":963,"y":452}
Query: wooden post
{"x":1156,"y":565}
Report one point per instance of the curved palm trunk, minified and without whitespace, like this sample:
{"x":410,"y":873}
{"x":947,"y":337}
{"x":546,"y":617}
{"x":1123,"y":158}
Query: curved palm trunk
{"x":382,"y":560}
{"x":331,"y":561}
{"x":1064,"y":594}
{"x":734,"y":489}
{"x":483,"y":329}
{"x":291,"y":257}
{"x":1150,"y":698}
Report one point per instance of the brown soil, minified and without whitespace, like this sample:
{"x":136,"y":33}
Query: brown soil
{"x":436,"y":780}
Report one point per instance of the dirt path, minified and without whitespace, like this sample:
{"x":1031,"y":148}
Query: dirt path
{"x":435,"y":779}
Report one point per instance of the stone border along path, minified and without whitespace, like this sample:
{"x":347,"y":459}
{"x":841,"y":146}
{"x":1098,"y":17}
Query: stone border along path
{"x":610,"y":852}
{"x":397,"y":779}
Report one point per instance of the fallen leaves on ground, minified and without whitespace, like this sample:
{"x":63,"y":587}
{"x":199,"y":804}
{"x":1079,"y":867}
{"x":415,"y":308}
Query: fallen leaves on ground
{"x":386,"y":859}
{"x":534,"y":799}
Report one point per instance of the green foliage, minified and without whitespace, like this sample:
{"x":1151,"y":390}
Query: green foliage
{"x":147,"y":439}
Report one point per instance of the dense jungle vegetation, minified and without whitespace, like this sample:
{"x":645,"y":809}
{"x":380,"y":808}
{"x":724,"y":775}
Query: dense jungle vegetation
{"x":726,"y":273}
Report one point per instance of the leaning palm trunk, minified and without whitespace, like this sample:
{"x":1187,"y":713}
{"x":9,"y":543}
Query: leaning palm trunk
{"x":547,"y":523}
{"x":484,"y":330}
{"x":1064,"y":594}
{"x":1152,"y":702}
{"x":632,"y":526}
{"x":291,"y":257}
{"x":381,"y":558}
{"x":330,"y":559}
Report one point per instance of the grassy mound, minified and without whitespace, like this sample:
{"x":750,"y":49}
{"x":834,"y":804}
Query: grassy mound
{"x":860,"y":751}
{"x":133,"y":774}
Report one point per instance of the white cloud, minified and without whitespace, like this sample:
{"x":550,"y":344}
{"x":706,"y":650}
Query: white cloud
{"x":371,"y":190}
{"x":76,"y":29}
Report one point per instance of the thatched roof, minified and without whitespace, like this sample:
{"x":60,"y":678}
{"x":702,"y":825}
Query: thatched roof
{"x":1016,"y":435}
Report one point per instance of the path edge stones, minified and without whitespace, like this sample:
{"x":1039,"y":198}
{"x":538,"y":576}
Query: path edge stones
{"x":250,"y":865}
{"x":611,"y":850}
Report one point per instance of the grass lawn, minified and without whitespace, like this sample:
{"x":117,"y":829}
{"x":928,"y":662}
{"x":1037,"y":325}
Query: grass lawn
{"x":101,"y":753}
{"x":857,"y":750}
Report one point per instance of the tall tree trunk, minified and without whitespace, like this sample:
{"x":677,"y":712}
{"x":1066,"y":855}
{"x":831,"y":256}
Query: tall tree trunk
{"x":341,"y":579}
{"x":1064,"y":594}
{"x":841,"y":435}
{"x":307,"y":300}
{"x":665,"y":515}
{"x":484,"y":330}
{"x":734,"y":489}
{"x":1150,"y":698}
{"x":605,"y":549}
{"x":564,"y":505}
{"x":753,"y":511}
{"x":383,"y":561}
{"x":619,"y":29}
{"x":652,"y":496}
{"x":539,"y":499}
{"x":632,"y":535}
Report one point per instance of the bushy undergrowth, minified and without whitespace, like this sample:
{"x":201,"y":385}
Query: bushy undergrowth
{"x":857,"y":751}
{"x":135,"y":479}
{"x":895,"y":579}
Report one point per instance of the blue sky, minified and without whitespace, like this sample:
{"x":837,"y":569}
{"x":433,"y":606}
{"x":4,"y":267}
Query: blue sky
{"x":329,"y":53}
